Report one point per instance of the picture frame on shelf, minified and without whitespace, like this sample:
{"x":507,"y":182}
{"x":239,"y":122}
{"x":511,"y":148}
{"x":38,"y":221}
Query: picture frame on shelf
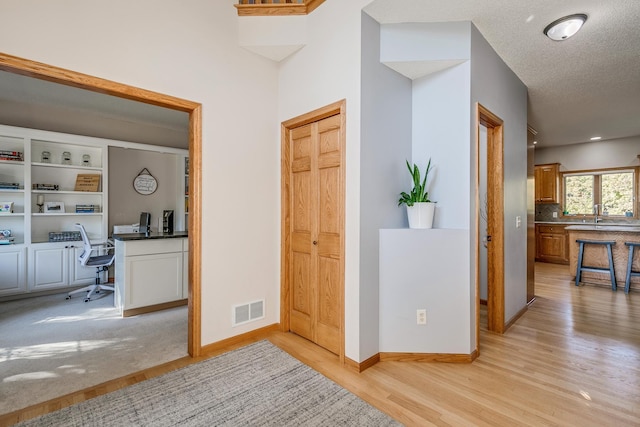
{"x":54,"y":207}
{"x":6,"y":207}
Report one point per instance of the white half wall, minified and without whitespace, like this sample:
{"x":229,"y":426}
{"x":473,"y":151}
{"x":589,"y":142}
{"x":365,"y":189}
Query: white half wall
{"x":424,"y":269}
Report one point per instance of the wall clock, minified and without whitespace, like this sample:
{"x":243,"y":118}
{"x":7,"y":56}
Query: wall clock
{"x":145,"y":183}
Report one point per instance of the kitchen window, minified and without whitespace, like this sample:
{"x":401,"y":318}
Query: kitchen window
{"x":613,"y":191}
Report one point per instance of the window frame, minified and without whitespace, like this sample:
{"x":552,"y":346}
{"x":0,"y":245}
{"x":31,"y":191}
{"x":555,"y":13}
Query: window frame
{"x":597,"y":191}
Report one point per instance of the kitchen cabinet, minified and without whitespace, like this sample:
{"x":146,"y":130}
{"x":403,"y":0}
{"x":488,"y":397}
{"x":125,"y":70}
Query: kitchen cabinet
{"x":552,"y":244}
{"x":546,"y":183}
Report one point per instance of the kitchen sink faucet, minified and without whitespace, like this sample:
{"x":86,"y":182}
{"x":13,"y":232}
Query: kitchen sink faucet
{"x":595,"y":211}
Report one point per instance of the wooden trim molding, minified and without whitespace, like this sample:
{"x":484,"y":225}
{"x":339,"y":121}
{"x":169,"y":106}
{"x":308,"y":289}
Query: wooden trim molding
{"x":151,"y":308}
{"x":429,"y":357}
{"x":255,"y":335}
{"x":361,"y":366}
{"x":495,"y":223}
{"x":517,"y":316}
{"x":38,"y":70}
{"x":268,"y":8}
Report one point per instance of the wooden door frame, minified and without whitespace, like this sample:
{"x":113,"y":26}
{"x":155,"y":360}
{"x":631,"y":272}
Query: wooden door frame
{"x":285,"y":219}
{"x":38,"y":70}
{"x":495,"y":220}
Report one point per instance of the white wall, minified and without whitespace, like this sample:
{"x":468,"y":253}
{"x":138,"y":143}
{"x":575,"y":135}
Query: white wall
{"x":385,"y":146}
{"x":125,"y":204}
{"x":327,"y":70}
{"x":592,"y":155}
{"x":498,"y":89}
{"x":441,"y":113}
{"x":191,"y":51}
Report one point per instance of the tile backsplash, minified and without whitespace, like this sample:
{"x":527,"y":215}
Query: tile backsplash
{"x":544,"y":213}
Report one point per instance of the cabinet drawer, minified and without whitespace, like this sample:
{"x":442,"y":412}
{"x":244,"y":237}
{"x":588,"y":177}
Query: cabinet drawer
{"x":551,"y":229}
{"x":149,"y":247}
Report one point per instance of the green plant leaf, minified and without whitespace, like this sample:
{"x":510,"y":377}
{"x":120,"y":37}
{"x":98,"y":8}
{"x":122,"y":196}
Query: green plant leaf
{"x":419,"y":191}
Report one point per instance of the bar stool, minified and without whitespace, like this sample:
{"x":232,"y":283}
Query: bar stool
{"x":630,"y":272}
{"x":609,"y":270}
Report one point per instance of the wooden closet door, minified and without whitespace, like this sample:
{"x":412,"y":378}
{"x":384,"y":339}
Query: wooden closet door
{"x":316,"y":232}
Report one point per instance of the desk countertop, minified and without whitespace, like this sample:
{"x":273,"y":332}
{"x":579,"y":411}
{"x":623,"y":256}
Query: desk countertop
{"x":150,"y":236}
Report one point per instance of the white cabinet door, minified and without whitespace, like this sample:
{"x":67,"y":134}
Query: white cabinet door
{"x":12,"y":270}
{"x":55,"y":265}
{"x":152,"y":279}
{"x":49,"y":267}
{"x":78,"y":274}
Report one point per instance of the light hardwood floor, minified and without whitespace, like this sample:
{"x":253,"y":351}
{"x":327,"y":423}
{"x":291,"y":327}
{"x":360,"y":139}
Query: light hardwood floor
{"x":573,"y":359}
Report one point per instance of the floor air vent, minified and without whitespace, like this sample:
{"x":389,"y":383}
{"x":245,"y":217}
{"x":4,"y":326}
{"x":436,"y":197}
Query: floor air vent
{"x":248,"y":312}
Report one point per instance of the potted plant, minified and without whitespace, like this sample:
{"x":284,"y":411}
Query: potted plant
{"x":420,"y":208}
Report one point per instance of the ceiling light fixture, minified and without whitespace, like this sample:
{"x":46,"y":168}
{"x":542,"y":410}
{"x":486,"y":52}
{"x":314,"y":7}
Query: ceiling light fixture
{"x":565,"y":27}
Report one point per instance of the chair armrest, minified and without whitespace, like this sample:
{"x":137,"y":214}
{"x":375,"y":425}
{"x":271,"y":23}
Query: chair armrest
{"x":106,"y":246}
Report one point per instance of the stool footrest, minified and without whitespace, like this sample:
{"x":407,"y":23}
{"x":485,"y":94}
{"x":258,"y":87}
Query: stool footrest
{"x":597,"y":242}
{"x":596,"y":269}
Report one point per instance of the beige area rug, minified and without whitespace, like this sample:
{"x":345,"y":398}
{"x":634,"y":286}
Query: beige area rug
{"x":50,"y":346}
{"x":257,"y":385}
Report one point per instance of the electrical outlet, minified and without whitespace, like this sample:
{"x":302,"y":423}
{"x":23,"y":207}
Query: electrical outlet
{"x":555,"y":214}
{"x":421,"y":316}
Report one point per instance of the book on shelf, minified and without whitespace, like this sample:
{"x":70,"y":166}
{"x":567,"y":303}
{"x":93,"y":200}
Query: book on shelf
{"x":11,"y":155}
{"x":87,"y":208}
{"x":47,"y":187}
{"x":9,"y":186}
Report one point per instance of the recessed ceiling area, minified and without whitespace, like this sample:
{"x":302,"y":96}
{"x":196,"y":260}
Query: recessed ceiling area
{"x":39,"y":104}
{"x":586,"y":85}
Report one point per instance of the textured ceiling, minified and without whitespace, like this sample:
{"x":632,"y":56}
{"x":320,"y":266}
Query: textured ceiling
{"x":585,"y":86}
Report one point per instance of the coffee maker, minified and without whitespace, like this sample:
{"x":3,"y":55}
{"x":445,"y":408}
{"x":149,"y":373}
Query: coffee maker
{"x":167,"y":221}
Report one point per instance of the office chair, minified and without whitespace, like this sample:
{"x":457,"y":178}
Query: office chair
{"x":100,"y":262}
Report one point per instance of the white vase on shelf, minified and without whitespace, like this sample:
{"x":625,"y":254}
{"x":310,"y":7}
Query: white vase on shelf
{"x":421,"y":214}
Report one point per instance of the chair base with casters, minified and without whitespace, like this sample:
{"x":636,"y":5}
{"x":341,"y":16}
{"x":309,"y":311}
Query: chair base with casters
{"x":100,"y":262}
{"x":96,"y":287}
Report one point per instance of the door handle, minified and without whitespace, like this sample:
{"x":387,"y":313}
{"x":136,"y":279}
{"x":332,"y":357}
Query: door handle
{"x":488,"y":238}
{"x":315,"y":242}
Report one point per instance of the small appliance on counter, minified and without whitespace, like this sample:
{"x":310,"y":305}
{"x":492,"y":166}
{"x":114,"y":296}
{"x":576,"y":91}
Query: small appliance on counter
{"x":167,"y":221}
{"x":145,"y":222}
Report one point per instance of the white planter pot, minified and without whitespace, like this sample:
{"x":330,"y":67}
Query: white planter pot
{"x":421,"y":215}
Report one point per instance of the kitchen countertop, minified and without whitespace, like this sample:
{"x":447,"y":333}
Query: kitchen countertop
{"x":605,"y":227}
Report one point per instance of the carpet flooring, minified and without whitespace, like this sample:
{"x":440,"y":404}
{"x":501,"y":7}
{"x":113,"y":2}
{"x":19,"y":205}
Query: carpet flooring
{"x":256,"y":385}
{"x":50,"y":346}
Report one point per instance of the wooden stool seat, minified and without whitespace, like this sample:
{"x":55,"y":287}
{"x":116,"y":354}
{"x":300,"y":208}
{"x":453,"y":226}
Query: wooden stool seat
{"x":630,"y":272}
{"x":610,"y":269}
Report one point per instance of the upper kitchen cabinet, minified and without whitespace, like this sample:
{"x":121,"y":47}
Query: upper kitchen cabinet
{"x":546,"y":178}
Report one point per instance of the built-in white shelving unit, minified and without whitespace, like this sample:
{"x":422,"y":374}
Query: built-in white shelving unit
{"x":46,"y":174}
{"x":60,"y":172}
